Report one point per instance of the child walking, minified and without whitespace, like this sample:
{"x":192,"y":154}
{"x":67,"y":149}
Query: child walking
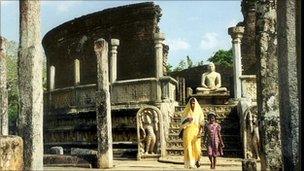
{"x":213,"y":139}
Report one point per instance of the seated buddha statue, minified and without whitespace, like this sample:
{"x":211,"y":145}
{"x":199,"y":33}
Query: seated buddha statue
{"x":211,"y":82}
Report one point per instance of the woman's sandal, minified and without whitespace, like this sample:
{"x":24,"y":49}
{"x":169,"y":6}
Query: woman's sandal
{"x":197,"y":164}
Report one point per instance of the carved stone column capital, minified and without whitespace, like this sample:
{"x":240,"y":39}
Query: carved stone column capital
{"x":236,"y":33}
{"x":159,"y":37}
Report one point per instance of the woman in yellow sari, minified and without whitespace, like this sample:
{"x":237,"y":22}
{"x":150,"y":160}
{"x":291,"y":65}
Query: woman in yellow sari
{"x":192,"y":126}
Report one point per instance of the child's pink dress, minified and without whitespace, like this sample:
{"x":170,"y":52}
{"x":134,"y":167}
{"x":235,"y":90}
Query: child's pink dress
{"x":213,"y":140}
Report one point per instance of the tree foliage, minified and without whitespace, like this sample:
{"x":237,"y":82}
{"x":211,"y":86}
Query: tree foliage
{"x":169,"y":68}
{"x":223,"y":57}
{"x":12,"y":79}
{"x":184,"y":64}
{"x":181,"y":66}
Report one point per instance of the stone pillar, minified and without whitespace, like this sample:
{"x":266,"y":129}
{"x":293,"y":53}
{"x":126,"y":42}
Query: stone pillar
{"x":288,"y":83}
{"x":158,"y":38}
{"x":103,"y":107}
{"x":3,"y":90}
{"x":236,"y":34}
{"x":52,"y":77}
{"x":76,"y":72}
{"x":267,"y":86}
{"x":249,"y":60}
{"x":113,"y":60}
{"x":30,"y":63}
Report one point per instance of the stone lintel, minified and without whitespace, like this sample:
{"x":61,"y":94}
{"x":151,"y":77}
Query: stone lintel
{"x":245,"y":77}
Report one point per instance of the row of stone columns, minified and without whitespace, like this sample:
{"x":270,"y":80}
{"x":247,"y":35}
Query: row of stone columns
{"x":267,"y":81}
{"x":113,"y":67}
{"x":103,"y":105}
{"x":278,"y":84}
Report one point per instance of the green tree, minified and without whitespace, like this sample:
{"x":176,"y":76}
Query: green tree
{"x":12,"y":79}
{"x":181,"y":66}
{"x":223,"y":57}
{"x":201,"y":63}
{"x":169,"y":68}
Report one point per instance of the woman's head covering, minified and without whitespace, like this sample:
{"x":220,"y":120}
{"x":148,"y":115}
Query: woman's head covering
{"x":197,"y":114}
{"x":197,"y":108}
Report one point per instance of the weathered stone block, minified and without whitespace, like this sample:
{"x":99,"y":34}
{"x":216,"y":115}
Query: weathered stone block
{"x":249,"y":87}
{"x":11,"y":153}
{"x":249,"y":165}
{"x":65,"y":161}
{"x":82,"y":151}
{"x":57,"y":150}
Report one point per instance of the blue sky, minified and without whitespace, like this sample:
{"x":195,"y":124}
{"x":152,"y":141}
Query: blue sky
{"x":194,"y":28}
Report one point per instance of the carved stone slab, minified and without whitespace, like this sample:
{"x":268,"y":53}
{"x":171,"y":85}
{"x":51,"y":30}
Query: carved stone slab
{"x":150,"y":132}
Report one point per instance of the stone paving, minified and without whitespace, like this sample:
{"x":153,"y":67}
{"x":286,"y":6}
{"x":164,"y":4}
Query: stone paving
{"x":129,"y":164}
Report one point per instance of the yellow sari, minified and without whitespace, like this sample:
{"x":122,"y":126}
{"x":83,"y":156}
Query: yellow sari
{"x":191,"y":134}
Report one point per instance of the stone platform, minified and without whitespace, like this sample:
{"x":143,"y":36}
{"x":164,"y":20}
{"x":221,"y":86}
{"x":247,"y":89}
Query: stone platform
{"x":215,"y":99}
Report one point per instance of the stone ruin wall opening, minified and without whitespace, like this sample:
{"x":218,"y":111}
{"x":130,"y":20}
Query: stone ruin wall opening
{"x":133,"y":25}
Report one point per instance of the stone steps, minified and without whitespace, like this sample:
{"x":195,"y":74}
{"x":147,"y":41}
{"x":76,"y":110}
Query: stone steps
{"x":180,"y":152}
{"x":179,"y":143}
{"x":230,"y":132}
{"x":176,"y":125}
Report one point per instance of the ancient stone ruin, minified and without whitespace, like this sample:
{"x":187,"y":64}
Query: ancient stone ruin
{"x":109,"y":94}
{"x":136,"y":59}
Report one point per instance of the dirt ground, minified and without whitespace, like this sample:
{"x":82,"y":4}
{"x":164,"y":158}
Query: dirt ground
{"x":225,"y":164}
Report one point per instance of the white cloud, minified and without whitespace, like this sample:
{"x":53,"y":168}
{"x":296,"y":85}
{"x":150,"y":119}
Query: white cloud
{"x":178,"y":44}
{"x":210,"y":40}
{"x":61,"y":6}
